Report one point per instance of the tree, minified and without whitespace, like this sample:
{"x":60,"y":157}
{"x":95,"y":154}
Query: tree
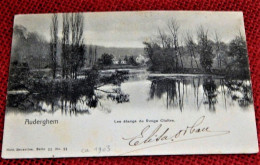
{"x":205,"y":49}
{"x":73,"y":48}
{"x":218,"y":42}
{"x":53,"y":43}
{"x":165,"y":55}
{"x":90,"y":55}
{"x":31,"y":48}
{"x":107,"y":59}
{"x":132,"y":61}
{"x":148,"y":50}
{"x":65,"y":45}
{"x":95,"y":56}
{"x":174,"y":26}
{"x":77,"y":45}
{"x":238,"y":53}
{"x":162,"y":37}
{"x":191,"y":46}
{"x":157,"y":59}
{"x":126,"y":59}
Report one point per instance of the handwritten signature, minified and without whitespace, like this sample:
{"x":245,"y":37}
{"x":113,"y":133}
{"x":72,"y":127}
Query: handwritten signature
{"x":162,"y":136}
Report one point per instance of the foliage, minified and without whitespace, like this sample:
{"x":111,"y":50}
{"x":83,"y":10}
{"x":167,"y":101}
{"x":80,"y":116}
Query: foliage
{"x":19,"y":73}
{"x":30,"y":47}
{"x":205,"y":49}
{"x":132,"y":61}
{"x":106,"y":59}
{"x":126,"y":59}
{"x":196,"y":56}
{"x":238,"y":53}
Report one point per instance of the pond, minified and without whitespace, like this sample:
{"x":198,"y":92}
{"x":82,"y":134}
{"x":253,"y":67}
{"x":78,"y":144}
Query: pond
{"x":139,"y":90}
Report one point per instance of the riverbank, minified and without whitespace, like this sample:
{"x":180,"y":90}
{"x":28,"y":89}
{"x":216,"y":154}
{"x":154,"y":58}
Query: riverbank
{"x":151,"y":75}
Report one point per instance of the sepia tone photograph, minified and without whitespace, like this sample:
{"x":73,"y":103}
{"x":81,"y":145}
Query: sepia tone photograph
{"x":73,"y":68}
{"x":102,"y":70}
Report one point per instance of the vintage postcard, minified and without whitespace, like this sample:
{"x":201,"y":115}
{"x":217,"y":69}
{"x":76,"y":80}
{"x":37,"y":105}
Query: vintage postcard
{"x":129,"y":83}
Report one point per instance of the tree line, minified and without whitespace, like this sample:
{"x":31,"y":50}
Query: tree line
{"x":195,"y":53}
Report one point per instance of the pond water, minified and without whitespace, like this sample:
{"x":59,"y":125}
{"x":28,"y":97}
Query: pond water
{"x":122,"y":105}
{"x":142,"y":91}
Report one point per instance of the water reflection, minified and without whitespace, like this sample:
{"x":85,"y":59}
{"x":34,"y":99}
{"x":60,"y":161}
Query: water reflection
{"x":105,"y":93}
{"x":159,"y":87}
{"x":210,"y":91}
{"x":70,"y":97}
{"x":179,"y":92}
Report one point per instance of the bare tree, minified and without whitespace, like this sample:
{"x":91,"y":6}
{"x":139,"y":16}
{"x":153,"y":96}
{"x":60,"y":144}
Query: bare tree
{"x":76,"y":23}
{"x":95,"y":56}
{"x":173,"y":27}
{"x":90,"y":55}
{"x":191,"y":46}
{"x":217,"y":39}
{"x":205,"y":49}
{"x":162,"y":37}
{"x":65,"y":45}
{"x":53,"y":43}
{"x":77,"y":46}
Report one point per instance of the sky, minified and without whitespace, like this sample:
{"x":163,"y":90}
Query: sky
{"x":130,"y":29}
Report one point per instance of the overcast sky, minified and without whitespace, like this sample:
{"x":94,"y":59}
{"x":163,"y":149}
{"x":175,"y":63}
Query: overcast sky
{"x":130,"y":29}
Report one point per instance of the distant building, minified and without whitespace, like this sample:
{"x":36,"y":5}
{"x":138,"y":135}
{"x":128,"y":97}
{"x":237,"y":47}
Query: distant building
{"x":119,"y":62}
{"x":115,"y":61}
{"x":123,"y":62}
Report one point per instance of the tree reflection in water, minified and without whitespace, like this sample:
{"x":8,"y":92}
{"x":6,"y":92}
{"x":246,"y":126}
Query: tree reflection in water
{"x":176,"y":92}
{"x":70,"y":97}
{"x":210,"y":91}
{"x":95,"y":92}
{"x":173,"y":88}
